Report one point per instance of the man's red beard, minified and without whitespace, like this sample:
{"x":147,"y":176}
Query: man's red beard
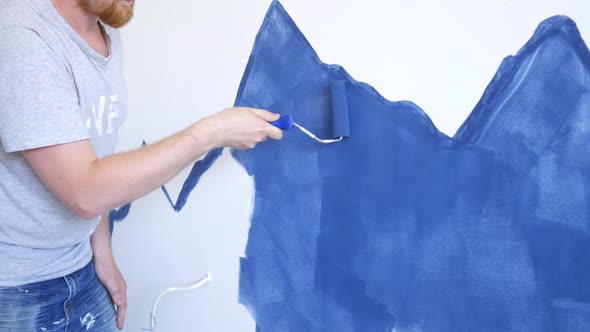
{"x":115,"y":14}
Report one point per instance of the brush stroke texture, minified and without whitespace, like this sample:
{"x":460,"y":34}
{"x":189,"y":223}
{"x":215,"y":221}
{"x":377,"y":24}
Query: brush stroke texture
{"x":400,"y":227}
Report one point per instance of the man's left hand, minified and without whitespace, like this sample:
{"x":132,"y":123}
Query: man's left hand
{"x":108,"y":273}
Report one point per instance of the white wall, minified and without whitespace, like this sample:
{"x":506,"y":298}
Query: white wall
{"x":185,"y":60}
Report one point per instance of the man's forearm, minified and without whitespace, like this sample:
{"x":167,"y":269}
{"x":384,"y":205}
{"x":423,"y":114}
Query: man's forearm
{"x":91,"y":186}
{"x":101,"y":240}
{"x":138,"y":172}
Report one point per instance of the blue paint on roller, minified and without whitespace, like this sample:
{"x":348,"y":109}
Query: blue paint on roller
{"x":402,"y":227}
{"x":340,"y":118}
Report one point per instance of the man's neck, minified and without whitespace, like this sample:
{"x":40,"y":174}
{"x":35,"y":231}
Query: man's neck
{"x":83,"y":22}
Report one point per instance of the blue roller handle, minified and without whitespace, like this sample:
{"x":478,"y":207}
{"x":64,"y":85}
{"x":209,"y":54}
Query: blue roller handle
{"x":284,"y":123}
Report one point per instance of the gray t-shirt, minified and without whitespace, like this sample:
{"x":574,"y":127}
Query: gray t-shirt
{"x":54,"y":89}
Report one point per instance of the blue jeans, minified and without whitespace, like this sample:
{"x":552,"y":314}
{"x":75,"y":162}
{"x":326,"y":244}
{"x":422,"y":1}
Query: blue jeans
{"x":76,"y":302}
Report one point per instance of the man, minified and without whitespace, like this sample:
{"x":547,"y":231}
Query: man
{"x":62,"y":106}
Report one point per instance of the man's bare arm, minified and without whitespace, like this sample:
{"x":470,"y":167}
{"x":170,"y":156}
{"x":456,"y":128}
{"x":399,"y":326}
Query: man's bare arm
{"x":92,"y":186}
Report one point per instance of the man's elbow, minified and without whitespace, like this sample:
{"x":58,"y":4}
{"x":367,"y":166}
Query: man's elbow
{"x":85,"y":208}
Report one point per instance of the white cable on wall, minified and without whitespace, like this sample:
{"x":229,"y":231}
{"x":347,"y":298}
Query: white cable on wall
{"x":207,"y":278}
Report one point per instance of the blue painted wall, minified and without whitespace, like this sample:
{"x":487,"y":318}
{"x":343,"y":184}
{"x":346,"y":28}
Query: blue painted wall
{"x":400,"y":226}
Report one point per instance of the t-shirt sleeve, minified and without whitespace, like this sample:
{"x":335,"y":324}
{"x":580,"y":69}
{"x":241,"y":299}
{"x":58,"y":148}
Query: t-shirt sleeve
{"x":38,"y":99}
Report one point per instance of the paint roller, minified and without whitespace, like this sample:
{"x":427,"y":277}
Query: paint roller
{"x":339,"y":113}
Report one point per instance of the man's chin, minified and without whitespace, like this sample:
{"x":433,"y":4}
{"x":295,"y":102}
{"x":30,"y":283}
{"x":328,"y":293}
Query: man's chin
{"x":116,"y":23}
{"x":118,"y":15}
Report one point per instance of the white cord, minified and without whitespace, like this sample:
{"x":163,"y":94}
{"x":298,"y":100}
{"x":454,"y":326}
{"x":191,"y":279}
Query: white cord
{"x":207,"y":278}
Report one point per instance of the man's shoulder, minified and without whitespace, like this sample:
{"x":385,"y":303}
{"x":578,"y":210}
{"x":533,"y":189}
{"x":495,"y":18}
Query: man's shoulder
{"x":21,"y":23}
{"x":23,"y":18}
{"x":17,"y":13}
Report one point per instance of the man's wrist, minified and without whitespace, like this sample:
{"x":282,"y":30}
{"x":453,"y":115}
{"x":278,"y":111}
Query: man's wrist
{"x":102,"y":255}
{"x":205,"y":132}
{"x":101,"y":248}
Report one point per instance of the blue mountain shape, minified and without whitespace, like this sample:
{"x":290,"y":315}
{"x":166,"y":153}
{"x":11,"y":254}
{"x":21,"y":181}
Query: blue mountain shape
{"x":402,"y":227}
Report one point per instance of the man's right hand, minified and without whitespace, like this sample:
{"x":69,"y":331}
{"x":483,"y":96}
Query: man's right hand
{"x":239,"y":127}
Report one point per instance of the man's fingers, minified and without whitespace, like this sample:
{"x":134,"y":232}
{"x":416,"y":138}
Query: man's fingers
{"x":265,"y":115}
{"x":121,"y":315}
{"x":118,"y":292}
{"x":271,"y":131}
{"x":119,"y":296}
{"x":274,"y":132}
